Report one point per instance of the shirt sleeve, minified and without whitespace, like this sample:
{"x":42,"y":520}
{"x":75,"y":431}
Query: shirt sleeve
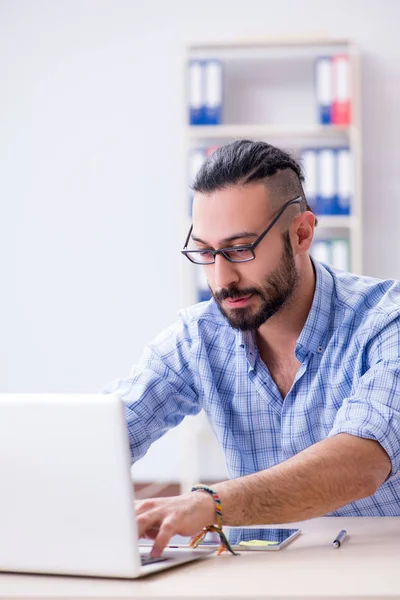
{"x":160,"y":390}
{"x":373,"y":409}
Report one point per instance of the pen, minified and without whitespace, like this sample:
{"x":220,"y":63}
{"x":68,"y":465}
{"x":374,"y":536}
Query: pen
{"x":341,"y":536}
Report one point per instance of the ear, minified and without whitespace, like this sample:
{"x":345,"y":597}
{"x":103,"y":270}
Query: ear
{"x":302,"y":232}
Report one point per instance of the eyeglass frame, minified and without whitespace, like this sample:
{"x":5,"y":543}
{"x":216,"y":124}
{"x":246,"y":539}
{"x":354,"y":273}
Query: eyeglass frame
{"x":250,"y":247}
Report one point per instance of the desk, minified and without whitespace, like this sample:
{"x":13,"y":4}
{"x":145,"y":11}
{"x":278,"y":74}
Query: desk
{"x":365,"y":567}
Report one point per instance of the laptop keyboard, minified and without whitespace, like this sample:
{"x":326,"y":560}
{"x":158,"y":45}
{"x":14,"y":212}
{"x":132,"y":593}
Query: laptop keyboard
{"x":146,"y":559}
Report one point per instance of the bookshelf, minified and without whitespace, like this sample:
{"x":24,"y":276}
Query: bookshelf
{"x":263,"y":132}
{"x":269,"y":94}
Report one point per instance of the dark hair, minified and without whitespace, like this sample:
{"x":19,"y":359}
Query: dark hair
{"x":246,"y":161}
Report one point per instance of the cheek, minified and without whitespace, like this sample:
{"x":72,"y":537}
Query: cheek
{"x":258,"y":271}
{"x":254,"y":276}
{"x":268,"y":259}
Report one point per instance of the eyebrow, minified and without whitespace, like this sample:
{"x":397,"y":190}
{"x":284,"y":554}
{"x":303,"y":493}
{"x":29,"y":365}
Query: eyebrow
{"x":230,"y":239}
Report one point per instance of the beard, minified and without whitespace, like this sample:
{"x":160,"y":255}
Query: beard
{"x":274,"y":292}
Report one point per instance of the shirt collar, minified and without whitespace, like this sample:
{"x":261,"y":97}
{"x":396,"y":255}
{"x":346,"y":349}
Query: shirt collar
{"x":314,"y":335}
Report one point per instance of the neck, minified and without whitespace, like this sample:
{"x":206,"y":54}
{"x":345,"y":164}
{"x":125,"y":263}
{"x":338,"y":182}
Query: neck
{"x":279,"y":334}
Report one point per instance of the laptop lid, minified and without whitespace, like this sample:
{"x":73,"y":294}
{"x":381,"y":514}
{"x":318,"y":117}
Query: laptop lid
{"x":67,"y":502}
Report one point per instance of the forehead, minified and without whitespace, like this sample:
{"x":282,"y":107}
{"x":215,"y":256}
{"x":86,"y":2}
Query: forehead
{"x":222,"y":213}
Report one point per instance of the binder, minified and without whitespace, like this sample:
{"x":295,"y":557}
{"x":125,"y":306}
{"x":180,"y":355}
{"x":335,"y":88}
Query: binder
{"x":203,"y":295}
{"x":310,"y":170}
{"x":344,"y":181}
{"x":196,"y":159}
{"x":323,"y":89}
{"x":196,"y":92}
{"x":327,"y":188}
{"x":213,"y":92}
{"x":210,"y":150}
{"x":321,"y":251}
{"x":341,"y":107}
{"x":335,"y":252}
{"x":340,"y":254}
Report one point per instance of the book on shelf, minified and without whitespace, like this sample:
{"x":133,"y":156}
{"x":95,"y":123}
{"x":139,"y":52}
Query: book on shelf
{"x":334,"y":251}
{"x":195,"y":92}
{"x":213,"y":92}
{"x":341,"y":105}
{"x":333,"y":89}
{"x":205,"y":92}
{"x":326,"y":186}
{"x":323,"y":89}
{"x":328,"y":180}
{"x":345,"y":182}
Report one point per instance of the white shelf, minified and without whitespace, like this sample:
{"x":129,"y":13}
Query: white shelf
{"x":337,"y":222}
{"x":221,"y":132}
{"x":268,"y":42}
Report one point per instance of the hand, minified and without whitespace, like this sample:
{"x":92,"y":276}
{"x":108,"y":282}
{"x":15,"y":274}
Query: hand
{"x":161,"y":518}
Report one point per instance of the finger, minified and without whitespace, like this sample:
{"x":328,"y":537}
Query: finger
{"x":152,"y":533}
{"x":142,"y":506}
{"x":147,"y":522}
{"x":167,"y":529}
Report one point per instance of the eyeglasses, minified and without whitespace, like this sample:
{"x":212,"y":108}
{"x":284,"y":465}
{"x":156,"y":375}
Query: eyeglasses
{"x":236,"y":254}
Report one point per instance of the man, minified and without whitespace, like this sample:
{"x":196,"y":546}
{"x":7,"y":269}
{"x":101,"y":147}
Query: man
{"x":295,"y":363}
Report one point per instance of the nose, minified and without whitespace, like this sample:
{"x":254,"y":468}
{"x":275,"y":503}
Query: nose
{"x":225,"y":272}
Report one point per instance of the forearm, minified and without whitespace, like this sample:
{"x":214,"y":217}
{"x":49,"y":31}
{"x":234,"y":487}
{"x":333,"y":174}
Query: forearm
{"x":318,"y":480}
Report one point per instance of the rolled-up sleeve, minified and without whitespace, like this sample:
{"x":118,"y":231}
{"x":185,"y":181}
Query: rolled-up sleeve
{"x":372,"y":410}
{"x":160,"y":390}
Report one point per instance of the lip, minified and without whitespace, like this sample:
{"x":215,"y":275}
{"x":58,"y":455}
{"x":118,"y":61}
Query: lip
{"x":238,"y":302}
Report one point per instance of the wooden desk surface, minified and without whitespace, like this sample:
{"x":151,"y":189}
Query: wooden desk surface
{"x":366,"y":566}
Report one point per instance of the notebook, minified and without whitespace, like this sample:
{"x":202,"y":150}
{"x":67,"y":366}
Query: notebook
{"x":67,"y":499}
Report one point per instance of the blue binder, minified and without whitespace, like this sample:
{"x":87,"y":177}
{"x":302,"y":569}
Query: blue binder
{"x":196,"y":92}
{"x":327,"y":182}
{"x":309,"y":160}
{"x":203,"y":295}
{"x":213,"y":92}
{"x":323,"y":89}
{"x":344,"y":180}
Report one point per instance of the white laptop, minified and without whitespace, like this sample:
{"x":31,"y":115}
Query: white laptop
{"x":66,"y":494}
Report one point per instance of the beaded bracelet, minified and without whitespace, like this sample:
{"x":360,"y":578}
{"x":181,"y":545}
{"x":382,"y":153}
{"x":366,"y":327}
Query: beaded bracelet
{"x":217,"y":500}
{"x":197,"y":539}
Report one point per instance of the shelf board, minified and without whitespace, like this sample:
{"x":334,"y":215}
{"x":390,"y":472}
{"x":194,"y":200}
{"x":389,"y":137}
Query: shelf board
{"x":207,"y":132}
{"x":268,"y":42}
{"x":336,"y":222}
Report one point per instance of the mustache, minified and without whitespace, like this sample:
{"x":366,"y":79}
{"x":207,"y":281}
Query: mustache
{"x":234,"y":293}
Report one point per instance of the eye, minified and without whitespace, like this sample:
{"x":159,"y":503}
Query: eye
{"x":240,"y":253}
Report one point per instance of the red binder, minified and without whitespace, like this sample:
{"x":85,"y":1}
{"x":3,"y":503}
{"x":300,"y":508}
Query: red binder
{"x":341,"y":73}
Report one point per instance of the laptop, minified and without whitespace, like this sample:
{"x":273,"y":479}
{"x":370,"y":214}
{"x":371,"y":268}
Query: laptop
{"x":67,"y":500}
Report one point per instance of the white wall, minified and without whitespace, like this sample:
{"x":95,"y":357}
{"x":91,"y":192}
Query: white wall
{"x":91,"y":127}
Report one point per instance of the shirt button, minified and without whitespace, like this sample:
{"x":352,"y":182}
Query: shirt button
{"x":320,"y":349}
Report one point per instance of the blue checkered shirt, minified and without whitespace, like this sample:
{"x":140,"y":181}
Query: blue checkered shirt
{"x":348,"y":382}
